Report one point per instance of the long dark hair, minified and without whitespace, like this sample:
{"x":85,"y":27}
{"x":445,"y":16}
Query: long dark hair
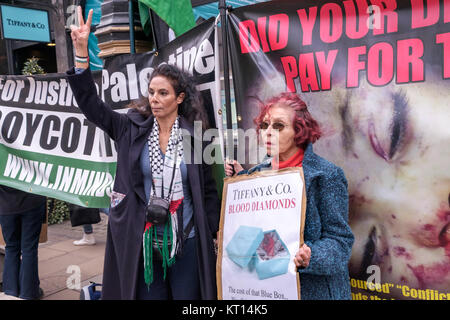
{"x":191,"y":108}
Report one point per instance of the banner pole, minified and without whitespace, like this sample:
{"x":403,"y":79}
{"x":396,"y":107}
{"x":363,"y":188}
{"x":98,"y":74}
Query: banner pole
{"x":152,"y":21}
{"x":226,"y":77}
{"x":131,"y":18}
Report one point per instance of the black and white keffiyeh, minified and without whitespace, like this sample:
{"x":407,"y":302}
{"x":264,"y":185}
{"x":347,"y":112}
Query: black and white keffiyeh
{"x":162,"y":172}
{"x":162,"y":168}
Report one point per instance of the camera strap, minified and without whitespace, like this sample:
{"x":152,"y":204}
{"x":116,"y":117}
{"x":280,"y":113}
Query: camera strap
{"x":173,"y":176}
{"x":188,"y":228}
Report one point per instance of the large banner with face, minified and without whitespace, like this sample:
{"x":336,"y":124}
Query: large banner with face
{"x":376,"y":76}
{"x":48,"y":147}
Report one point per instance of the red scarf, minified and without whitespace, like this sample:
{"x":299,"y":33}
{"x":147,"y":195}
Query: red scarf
{"x":294,"y":161}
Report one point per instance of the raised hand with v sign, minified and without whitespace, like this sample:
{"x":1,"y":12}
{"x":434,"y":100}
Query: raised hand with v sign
{"x":80,"y":36}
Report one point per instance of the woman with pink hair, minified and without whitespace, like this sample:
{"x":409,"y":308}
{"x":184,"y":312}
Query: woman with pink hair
{"x":287,"y":130}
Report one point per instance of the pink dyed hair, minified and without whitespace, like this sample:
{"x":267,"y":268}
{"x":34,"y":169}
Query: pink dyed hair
{"x":306,"y":128}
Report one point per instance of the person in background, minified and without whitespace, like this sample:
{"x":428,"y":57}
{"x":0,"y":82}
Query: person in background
{"x":287,"y":131}
{"x":21,"y":218}
{"x":88,"y":238}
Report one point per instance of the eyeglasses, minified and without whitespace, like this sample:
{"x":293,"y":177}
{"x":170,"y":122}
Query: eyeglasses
{"x":278,"y":126}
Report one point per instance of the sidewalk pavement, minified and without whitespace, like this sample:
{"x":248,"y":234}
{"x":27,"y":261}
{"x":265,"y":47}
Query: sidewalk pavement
{"x":60,"y":261}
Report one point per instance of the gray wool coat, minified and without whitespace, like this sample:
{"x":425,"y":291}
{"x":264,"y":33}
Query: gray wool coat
{"x":127,"y":219}
{"x":327,"y":231}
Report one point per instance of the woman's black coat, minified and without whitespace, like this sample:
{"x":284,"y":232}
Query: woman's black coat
{"x":127,"y":219}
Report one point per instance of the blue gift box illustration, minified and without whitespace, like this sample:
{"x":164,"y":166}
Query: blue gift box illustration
{"x":243,"y":245}
{"x":264,"y":252}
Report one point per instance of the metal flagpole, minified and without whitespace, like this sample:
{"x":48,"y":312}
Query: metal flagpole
{"x":152,"y":21}
{"x":131,"y":18}
{"x":229,"y":143}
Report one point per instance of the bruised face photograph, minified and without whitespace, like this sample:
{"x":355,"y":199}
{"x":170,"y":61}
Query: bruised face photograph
{"x":382,"y":101}
{"x":393,"y":144}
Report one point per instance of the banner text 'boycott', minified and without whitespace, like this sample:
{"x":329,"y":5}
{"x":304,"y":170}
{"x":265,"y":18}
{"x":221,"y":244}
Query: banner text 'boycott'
{"x":61,"y":133}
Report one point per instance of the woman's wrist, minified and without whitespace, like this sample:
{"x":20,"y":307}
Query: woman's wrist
{"x":81,"y":58}
{"x":81,"y":62}
{"x":81,"y":65}
{"x":82,"y":52}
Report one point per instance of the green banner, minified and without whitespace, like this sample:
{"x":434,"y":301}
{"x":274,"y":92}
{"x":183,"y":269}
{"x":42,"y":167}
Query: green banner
{"x":86,"y":183}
